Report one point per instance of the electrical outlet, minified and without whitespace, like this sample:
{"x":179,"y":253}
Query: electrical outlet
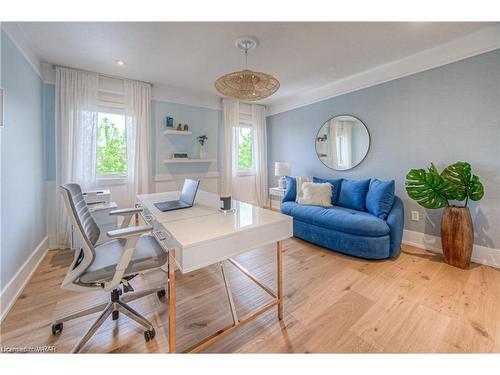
{"x":415,"y":216}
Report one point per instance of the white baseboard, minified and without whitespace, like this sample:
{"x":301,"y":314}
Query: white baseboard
{"x":15,"y":286}
{"x":480,"y":254}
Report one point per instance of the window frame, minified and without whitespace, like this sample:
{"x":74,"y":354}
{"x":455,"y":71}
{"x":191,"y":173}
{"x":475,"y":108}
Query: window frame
{"x":249,"y":171}
{"x":110,"y":179}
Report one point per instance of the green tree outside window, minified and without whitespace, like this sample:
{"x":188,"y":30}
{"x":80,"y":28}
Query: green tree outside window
{"x":111,"y":145}
{"x":245,"y":148}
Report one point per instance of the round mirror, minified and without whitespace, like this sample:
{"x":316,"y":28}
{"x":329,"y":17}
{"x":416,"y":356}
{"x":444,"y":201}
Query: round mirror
{"x":342,"y":142}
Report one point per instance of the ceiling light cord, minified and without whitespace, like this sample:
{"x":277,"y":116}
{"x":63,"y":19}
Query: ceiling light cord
{"x":246,"y":68}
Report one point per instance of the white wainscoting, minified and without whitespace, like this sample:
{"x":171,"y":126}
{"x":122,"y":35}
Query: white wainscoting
{"x":15,"y":286}
{"x":480,"y":254}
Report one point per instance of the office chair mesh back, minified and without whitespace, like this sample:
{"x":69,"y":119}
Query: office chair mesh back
{"x":82,"y":214}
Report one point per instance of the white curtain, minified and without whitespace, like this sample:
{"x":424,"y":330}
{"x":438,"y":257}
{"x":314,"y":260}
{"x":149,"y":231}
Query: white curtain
{"x":231,"y":113}
{"x":138,"y":114}
{"x":344,"y":143}
{"x":333,"y":152}
{"x":76,"y":138}
{"x":260,"y":153}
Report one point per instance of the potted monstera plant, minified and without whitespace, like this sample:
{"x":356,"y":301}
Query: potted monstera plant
{"x":432,"y":189}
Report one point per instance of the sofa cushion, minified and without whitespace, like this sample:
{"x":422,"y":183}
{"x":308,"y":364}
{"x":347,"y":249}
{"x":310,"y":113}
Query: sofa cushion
{"x":338,"y":218}
{"x":353,"y":194}
{"x":336,"y":183}
{"x":291,"y":189}
{"x":380,"y":198}
{"x":316,"y":194}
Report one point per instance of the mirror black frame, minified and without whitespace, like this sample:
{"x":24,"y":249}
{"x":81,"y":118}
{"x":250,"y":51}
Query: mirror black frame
{"x":367,"y":151}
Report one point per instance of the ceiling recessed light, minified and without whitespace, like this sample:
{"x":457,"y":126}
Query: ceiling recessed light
{"x":120,"y":62}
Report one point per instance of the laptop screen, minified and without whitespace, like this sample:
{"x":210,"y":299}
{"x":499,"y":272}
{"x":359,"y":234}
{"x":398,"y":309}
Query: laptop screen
{"x":189,"y":191}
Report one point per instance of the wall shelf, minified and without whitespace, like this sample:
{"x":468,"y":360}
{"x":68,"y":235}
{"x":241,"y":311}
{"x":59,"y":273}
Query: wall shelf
{"x":177,"y":132}
{"x":172,"y":161}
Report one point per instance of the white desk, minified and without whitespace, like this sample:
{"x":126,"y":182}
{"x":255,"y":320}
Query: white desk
{"x":200,"y":236}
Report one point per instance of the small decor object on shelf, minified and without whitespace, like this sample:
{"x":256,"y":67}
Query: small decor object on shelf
{"x":202,"y":139}
{"x":322,"y":138}
{"x":180,"y":155}
{"x":433,"y":190}
{"x":169,"y":122}
{"x":186,"y":127}
{"x":179,"y":127}
{"x":281,"y":170}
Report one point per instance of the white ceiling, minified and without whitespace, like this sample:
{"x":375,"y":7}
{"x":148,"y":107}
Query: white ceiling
{"x":302,"y":55}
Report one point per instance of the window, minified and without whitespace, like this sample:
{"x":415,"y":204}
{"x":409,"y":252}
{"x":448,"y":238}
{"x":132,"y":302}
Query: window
{"x":111,"y":145}
{"x":244,"y":149}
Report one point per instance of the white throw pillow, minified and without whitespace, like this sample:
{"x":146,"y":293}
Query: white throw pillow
{"x":316,"y":194}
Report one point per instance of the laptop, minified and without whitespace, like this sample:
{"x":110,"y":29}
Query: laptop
{"x":186,"y":200}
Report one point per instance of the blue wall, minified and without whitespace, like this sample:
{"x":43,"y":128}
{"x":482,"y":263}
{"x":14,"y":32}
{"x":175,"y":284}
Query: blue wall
{"x":442,"y":115}
{"x":23,"y":174}
{"x":200,"y":121}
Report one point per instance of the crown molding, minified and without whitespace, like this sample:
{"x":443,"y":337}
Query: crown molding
{"x":16,"y":34}
{"x":48,"y":73}
{"x":473,"y":44}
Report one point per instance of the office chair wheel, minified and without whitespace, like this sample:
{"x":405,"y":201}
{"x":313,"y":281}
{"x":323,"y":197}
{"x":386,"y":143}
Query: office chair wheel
{"x":149,"y":335}
{"x":57,"y":328}
{"x":161,"y":293}
{"x":115,"y":315}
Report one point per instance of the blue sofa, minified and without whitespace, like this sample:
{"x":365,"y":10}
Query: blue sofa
{"x":356,"y":232}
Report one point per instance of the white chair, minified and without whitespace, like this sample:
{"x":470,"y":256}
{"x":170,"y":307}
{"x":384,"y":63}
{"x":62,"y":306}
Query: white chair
{"x":110,"y":265}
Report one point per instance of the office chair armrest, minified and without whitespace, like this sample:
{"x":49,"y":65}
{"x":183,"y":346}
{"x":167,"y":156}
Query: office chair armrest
{"x":126,"y":211}
{"x":129,"y":231}
{"x":132,"y":235}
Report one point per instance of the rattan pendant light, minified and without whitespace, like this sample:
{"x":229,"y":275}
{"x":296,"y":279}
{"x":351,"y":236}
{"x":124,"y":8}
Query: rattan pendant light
{"x":247,"y":84}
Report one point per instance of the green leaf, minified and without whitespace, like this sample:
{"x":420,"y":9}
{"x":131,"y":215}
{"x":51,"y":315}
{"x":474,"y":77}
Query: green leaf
{"x":476,"y":189}
{"x":458,"y":174}
{"x":429,"y":189}
{"x":466,"y":184}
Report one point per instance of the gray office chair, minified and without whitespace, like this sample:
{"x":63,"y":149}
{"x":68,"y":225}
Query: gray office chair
{"x":110,"y":265}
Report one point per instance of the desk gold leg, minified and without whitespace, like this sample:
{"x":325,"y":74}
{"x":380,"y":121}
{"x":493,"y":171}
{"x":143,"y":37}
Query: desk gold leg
{"x":171,"y":300}
{"x":280,"y":279}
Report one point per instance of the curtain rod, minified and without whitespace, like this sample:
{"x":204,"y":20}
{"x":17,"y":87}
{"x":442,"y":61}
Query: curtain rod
{"x":101,"y":74}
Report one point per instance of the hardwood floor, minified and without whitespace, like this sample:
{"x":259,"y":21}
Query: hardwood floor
{"x":333,"y":304}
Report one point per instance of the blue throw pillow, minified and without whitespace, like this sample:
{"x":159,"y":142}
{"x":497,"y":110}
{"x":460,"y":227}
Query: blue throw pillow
{"x":380,"y":198}
{"x":291,"y":189}
{"x":353,"y":194}
{"x":336,"y":183}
